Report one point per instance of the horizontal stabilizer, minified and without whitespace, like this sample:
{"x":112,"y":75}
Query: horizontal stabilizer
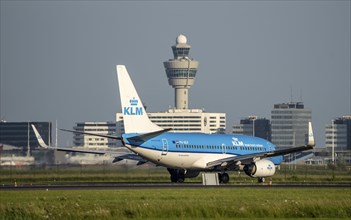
{"x":93,"y":134}
{"x":129,"y":157}
{"x":144,"y":137}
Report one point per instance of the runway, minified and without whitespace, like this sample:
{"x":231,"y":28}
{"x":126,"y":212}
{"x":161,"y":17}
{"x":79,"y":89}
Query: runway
{"x":164,"y":185}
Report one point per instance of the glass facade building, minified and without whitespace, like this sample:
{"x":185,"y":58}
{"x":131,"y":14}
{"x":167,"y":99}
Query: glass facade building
{"x":338,"y":134}
{"x":254,"y":126}
{"x":90,"y":141}
{"x":21,"y":134}
{"x":289,"y":123}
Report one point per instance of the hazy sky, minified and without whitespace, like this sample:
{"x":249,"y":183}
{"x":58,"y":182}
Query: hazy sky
{"x":58,"y":57}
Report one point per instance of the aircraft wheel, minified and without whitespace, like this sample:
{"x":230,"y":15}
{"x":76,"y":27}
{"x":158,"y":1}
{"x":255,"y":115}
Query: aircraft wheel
{"x":181,"y":176}
{"x":223,"y":177}
{"x":177,"y":176}
{"x":180,"y":179}
{"x":174,"y":178}
{"x":220,"y":177}
{"x":174,"y":175}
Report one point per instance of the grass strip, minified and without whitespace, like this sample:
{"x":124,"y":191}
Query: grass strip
{"x":177,"y":204}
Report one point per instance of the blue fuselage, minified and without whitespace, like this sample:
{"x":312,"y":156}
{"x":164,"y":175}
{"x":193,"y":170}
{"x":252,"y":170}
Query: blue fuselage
{"x":206,"y":144}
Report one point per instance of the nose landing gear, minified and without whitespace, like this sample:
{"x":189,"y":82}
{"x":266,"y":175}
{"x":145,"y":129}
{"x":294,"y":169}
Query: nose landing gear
{"x":261,"y":180}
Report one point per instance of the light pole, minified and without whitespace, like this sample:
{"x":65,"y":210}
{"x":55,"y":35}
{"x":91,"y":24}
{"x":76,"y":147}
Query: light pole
{"x":253,"y":127}
{"x":253,"y":118}
{"x":28,"y":141}
{"x":333,"y":136}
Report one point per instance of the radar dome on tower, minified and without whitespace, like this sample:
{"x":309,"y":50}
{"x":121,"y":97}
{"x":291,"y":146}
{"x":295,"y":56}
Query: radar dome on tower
{"x":181,"y":39}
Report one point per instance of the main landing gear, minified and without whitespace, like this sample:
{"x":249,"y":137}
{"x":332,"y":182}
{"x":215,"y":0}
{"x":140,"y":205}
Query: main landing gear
{"x":177,"y":176}
{"x":223,"y":177}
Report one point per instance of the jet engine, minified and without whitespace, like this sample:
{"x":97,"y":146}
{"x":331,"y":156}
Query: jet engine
{"x":260,"y":168}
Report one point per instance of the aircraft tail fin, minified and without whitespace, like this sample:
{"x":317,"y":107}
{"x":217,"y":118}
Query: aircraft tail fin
{"x":135,"y":117}
{"x":39,"y":138}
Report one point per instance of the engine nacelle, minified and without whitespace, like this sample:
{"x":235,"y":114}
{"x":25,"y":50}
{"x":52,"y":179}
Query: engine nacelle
{"x":261,"y":168}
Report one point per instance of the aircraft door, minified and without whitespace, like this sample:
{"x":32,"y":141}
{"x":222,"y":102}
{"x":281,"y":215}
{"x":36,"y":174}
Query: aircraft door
{"x":164,"y":146}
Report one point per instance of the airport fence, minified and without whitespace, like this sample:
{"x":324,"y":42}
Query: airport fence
{"x":107,"y":172}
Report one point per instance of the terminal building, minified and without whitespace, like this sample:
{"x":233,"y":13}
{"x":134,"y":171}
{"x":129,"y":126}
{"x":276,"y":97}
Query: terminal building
{"x":185,"y":120}
{"x":19,"y":145}
{"x":103,"y":128}
{"x":289,"y":123}
{"x":254,"y":126}
{"x":181,"y":72}
{"x":20,"y":135}
{"x":338,"y":134}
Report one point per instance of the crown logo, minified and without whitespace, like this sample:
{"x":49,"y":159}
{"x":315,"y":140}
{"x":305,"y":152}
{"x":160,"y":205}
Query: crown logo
{"x":133,"y":102}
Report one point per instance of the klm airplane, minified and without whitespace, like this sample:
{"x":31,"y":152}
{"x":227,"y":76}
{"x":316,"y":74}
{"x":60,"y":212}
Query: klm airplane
{"x":185,"y":155}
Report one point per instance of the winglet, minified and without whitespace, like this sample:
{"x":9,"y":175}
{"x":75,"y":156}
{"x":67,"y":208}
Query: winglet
{"x":39,"y":138}
{"x":310,"y":141}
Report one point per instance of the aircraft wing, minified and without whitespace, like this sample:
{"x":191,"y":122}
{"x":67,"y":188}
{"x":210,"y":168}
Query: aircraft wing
{"x":69,"y":149}
{"x":234,"y":161}
{"x":248,"y":158}
{"x":118,"y":156}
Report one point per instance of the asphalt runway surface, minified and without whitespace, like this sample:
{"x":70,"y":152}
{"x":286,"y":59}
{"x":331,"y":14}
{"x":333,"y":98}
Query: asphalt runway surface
{"x":158,"y":185}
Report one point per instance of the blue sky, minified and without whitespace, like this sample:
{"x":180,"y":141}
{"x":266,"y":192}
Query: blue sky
{"x":58,"y":57}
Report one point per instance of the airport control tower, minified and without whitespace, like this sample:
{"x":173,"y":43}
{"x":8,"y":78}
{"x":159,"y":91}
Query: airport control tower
{"x":181,"y":71}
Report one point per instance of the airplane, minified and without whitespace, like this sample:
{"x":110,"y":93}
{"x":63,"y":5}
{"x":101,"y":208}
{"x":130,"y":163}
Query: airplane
{"x":185,"y":155}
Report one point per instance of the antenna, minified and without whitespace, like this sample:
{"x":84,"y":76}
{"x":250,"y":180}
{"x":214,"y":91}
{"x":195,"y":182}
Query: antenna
{"x":56,"y":135}
{"x":291,"y":93}
{"x":28,"y":141}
